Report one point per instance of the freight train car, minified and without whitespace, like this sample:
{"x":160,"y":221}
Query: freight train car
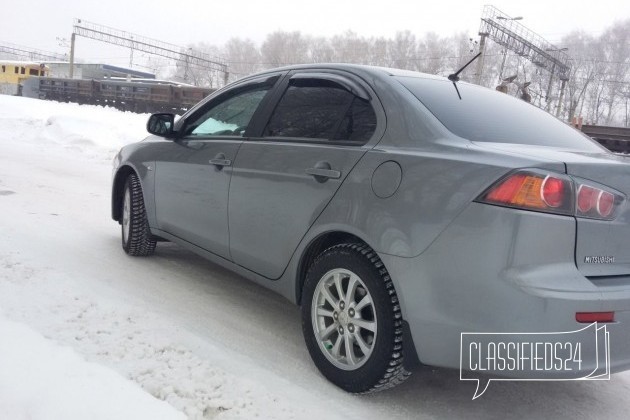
{"x":136,"y":96}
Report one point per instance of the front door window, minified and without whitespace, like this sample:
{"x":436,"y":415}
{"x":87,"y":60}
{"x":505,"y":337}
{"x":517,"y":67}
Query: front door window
{"x":230,"y":117}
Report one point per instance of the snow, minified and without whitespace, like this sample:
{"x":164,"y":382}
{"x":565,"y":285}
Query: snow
{"x":97,"y":132}
{"x":56,"y":383}
{"x":85,"y":329}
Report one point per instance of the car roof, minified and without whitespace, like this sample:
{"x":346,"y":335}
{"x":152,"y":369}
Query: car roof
{"x":355,"y":68}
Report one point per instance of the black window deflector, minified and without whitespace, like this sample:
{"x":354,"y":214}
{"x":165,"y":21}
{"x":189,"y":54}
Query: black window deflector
{"x":347,"y":84}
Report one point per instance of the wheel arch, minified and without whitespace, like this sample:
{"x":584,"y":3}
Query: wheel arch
{"x":118,"y":188}
{"x":314,"y":248}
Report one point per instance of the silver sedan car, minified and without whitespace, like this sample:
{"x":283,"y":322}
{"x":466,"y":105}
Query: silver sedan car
{"x":398,"y":209}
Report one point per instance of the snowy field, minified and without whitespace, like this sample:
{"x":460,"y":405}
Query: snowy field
{"x":87,"y":332}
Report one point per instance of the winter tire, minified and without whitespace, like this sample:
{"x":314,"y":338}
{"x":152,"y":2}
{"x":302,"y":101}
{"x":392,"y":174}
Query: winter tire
{"x":136,"y":236}
{"x":351,"y":320}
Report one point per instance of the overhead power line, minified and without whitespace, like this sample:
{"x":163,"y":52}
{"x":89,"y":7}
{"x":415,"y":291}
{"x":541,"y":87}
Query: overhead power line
{"x":30,"y":53}
{"x":188,"y":56}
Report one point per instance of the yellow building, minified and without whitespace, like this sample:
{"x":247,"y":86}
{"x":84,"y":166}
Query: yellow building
{"x":13,"y":73}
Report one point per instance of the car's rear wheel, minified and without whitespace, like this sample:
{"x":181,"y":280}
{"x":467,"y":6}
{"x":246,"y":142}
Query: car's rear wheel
{"x":351,"y":320}
{"x":136,"y":235}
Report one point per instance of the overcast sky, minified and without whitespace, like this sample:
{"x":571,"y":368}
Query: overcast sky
{"x":182,"y":22}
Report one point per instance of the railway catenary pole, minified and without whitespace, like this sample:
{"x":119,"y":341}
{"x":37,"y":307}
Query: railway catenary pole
{"x":482,"y":47}
{"x":71,"y":72}
{"x":561,"y":98}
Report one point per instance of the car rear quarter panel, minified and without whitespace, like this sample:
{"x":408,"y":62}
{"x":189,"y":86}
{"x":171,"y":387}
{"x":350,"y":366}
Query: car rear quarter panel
{"x":438,"y":181}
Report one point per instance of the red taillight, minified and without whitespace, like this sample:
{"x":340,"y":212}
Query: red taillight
{"x":508,"y":189}
{"x":520,"y":190}
{"x":605,"y":203}
{"x":587,"y":198}
{"x":595,"y":203}
{"x":590,"y":317}
{"x":553,"y":191}
{"x":534,"y":189}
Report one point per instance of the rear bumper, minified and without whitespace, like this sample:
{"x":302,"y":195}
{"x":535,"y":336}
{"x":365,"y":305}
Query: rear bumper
{"x":498,"y":270}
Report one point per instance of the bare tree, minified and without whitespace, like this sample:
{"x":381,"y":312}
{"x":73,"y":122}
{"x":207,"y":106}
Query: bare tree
{"x":586,"y":67}
{"x":191,"y":73}
{"x":350,"y":48}
{"x":242,"y":57}
{"x":616,"y":50}
{"x":379,"y":52}
{"x":403,"y":50}
{"x":321,"y":50}
{"x":434,"y":52}
{"x":284,"y":48}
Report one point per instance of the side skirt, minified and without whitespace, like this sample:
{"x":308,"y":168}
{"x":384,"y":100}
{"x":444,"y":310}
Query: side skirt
{"x":279,"y":286}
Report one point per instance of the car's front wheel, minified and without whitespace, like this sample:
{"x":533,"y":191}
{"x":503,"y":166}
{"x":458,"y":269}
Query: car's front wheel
{"x":136,"y":235}
{"x":351,"y":320}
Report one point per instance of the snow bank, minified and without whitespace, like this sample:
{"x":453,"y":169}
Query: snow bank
{"x":40,"y":380}
{"x":98,"y":132}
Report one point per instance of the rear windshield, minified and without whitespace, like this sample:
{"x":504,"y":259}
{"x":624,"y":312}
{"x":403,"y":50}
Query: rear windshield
{"x":485,"y":115}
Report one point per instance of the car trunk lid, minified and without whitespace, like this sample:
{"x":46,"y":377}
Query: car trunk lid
{"x":603,"y":246}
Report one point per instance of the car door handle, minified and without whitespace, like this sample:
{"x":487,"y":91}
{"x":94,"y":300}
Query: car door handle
{"x":325,"y":173}
{"x":322,"y":172}
{"x":220,"y":161}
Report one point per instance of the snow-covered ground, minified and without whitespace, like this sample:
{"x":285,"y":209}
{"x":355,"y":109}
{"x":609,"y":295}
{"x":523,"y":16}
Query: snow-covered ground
{"x":84,"y":328}
{"x":41,"y":380}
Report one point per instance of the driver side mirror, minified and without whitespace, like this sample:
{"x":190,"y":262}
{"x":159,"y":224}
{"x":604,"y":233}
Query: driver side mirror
{"x":161,"y":124}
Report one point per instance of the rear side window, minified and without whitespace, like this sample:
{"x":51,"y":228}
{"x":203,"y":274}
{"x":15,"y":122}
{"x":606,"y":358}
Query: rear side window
{"x":359,"y":122}
{"x":323,"y":110}
{"x":484,"y":115}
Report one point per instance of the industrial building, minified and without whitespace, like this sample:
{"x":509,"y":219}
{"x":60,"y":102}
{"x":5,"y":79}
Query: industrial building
{"x":61,"y":69}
